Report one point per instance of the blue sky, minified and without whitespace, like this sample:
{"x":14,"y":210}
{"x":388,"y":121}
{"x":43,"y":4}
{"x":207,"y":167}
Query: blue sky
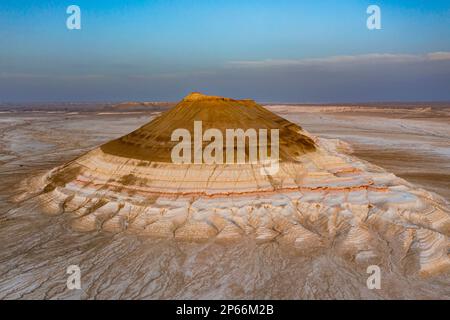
{"x":293,"y":51}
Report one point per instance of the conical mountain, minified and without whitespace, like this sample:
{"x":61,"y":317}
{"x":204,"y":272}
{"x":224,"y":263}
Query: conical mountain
{"x":319,"y":198}
{"x":152,"y":142}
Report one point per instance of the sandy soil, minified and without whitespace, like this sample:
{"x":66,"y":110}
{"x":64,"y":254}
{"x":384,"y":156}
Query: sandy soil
{"x":37,"y":249}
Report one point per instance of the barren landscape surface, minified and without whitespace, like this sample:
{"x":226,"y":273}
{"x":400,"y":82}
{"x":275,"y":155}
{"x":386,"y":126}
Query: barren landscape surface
{"x":413,"y":143}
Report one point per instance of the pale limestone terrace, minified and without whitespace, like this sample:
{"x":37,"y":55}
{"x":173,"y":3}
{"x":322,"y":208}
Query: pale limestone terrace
{"x":321,"y":197}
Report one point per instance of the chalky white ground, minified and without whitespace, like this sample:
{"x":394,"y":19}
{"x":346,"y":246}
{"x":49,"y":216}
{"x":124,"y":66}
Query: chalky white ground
{"x":317,"y":224}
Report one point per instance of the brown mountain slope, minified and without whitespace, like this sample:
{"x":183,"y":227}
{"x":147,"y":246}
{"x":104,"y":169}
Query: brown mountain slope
{"x":152,"y":142}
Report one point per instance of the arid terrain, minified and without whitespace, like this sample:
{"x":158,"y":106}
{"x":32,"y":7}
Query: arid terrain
{"x":413,"y":142}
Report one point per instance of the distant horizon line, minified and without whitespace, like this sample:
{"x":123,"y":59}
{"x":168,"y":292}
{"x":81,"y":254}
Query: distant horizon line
{"x":69,"y":102}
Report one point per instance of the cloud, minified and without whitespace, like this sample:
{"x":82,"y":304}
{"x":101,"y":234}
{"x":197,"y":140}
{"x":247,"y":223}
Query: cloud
{"x":438,"y":56}
{"x":344,"y":60}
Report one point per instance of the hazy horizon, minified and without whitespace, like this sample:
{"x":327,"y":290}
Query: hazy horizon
{"x":324,"y":103}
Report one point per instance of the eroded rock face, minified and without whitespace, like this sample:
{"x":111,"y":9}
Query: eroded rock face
{"x":320,"y":197}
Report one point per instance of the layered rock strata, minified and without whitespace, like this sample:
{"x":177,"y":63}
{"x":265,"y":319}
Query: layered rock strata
{"x":321,"y":197}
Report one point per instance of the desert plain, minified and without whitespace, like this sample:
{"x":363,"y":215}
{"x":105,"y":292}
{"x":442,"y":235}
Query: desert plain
{"x":410,"y":140}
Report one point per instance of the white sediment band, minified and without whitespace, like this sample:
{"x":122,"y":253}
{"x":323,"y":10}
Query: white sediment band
{"x":324,"y":199}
